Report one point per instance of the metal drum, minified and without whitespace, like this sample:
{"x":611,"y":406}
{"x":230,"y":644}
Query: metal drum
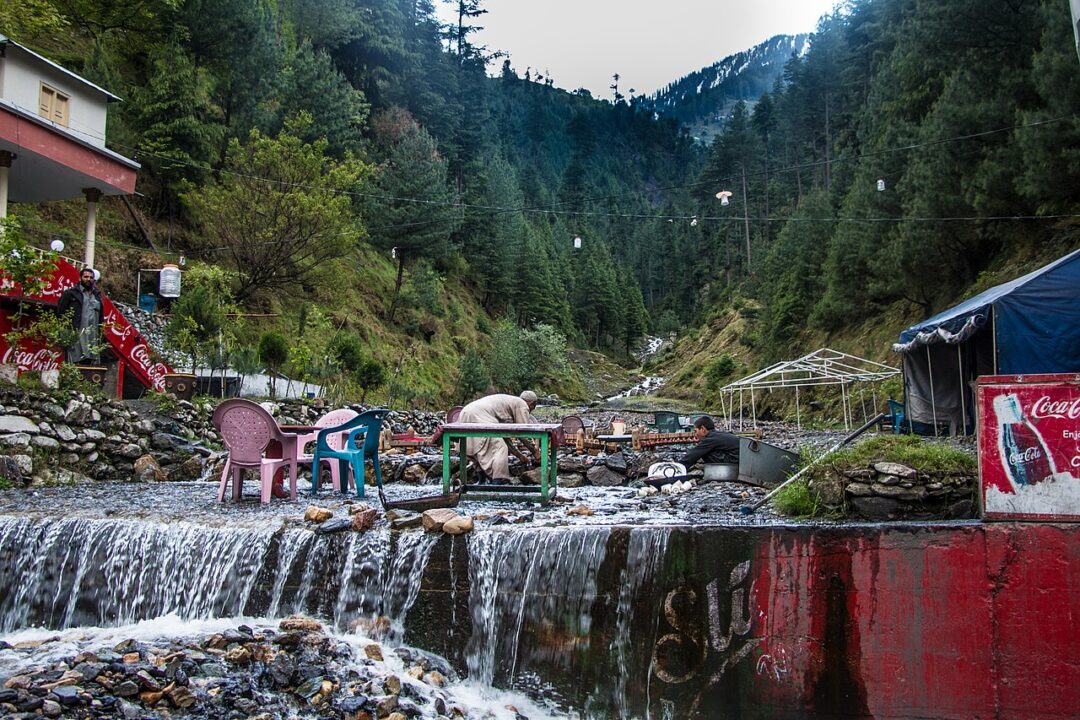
{"x":763,"y":464}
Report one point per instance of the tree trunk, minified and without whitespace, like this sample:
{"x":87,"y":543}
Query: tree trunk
{"x":397,"y":286}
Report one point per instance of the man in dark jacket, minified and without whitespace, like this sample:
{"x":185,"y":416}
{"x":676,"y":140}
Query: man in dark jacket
{"x":87,"y":314}
{"x":714,"y":446}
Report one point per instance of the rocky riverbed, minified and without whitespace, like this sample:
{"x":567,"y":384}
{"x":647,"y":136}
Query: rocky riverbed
{"x":229,"y":669}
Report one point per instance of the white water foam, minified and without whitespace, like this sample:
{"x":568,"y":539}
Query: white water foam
{"x":476,"y":700}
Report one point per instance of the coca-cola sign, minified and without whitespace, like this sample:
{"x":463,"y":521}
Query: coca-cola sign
{"x":34,"y":359}
{"x":1029,"y":447}
{"x":120,"y":334}
{"x":1046,"y":407}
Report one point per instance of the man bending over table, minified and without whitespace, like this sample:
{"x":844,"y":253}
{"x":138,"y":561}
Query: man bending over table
{"x":491,"y":455}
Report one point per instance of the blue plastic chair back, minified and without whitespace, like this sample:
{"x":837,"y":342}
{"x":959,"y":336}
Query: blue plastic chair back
{"x":896,"y":408}
{"x":370,"y":424}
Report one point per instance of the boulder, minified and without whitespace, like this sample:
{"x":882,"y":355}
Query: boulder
{"x":433,"y":520}
{"x":458,"y":525}
{"x":333,"y":525}
{"x":15,"y":440}
{"x":616,"y":462}
{"x":891,"y":468}
{"x":364,"y":520}
{"x":317,"y":514}
{"x":601,"y":475}
{"x":18,"y":424}
{"x":571,"y":480}
{"x":300,"y":624}
{"x":146,"y":469}
{"x":414,"y":474}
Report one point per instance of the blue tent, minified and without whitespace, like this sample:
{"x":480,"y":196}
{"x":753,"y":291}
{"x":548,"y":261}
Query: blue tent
{"x":1028,"y":325}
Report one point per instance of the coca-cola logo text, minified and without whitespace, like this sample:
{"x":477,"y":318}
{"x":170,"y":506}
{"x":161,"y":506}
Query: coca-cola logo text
{"x":42,"y":359}
{"x":1028,"y":455}
{"x":1044,"y":407}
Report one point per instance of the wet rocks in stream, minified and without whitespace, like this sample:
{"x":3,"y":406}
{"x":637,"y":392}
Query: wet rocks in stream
{"x":295,"y":669}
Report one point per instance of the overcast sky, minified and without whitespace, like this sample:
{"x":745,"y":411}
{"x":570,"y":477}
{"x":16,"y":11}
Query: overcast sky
{"x":582,"y":43}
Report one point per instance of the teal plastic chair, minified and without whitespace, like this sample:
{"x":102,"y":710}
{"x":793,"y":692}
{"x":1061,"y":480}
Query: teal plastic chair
{"x":368,"y":424}
{"x":896,"y":410}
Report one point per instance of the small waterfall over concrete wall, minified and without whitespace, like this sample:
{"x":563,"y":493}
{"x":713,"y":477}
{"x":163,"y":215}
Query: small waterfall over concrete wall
{"x":561,"y":612}
{"x":72,"y":572}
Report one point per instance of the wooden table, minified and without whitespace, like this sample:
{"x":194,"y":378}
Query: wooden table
{"x":546,"y":433}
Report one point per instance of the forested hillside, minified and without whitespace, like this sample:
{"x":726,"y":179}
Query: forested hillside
{"x":921,"y":150}
{"x":352,"y":161}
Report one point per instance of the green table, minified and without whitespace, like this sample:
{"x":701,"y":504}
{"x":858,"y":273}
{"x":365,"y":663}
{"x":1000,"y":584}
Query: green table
{"x":546,"y":433}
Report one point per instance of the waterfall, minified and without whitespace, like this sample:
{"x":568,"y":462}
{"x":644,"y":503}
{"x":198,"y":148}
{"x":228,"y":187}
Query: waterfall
{"x":69,"y":572}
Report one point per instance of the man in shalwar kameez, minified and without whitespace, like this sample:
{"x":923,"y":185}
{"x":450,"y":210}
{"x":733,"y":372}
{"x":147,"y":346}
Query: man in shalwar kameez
{"x":491,"y":455}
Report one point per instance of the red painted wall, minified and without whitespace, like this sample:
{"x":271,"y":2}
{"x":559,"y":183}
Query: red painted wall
{"x":980,"y":621}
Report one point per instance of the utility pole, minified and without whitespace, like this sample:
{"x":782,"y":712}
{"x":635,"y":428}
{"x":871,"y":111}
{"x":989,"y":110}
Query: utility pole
{"x":746,"y":222}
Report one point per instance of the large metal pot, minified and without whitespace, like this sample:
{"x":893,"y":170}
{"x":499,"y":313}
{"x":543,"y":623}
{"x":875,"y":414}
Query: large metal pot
{"x":722,"y":472}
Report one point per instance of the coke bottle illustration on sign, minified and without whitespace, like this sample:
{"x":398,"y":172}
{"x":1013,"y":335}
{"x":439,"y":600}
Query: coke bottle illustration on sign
{"x":1023,"y":452}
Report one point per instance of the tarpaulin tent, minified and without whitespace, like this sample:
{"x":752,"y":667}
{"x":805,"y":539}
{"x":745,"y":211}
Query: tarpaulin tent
{"x":1028,"y":325}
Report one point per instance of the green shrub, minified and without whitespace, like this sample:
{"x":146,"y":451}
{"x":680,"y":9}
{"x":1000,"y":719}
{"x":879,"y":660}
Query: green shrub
{"x":797,"y":500}
{"x":719,"y":370}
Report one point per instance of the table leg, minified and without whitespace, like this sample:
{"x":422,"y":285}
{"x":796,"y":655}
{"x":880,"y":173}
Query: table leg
{"x":553,"y":449}
{"x":463,"y":460}
{"x":544,"y":464}
{"x":446,"y":463}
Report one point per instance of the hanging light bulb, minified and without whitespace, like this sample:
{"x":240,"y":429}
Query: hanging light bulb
{"x":724,"y":196}
{"x":880,"y":185}
{"x":577,"y":242}
{"x":693,"y":223}
{"x":393,"y":253}
{"x":57,"y":245}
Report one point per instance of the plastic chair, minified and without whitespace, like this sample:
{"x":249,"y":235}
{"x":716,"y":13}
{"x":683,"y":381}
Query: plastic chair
{"x":247,"y":429}
{"x":666,"y":422}
{"x":337,"y":442}
{"x":367,"y":424}
{"x":896,"y":410}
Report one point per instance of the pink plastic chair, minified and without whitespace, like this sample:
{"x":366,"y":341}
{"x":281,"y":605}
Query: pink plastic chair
{"x":337,"y":442}
{"x":247,"y":429}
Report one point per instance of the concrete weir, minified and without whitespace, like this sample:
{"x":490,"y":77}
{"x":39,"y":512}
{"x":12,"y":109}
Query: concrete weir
{"x":956,"y":620}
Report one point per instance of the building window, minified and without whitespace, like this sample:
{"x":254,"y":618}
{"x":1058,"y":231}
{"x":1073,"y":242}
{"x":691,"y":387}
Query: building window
{"x":53,"y":105}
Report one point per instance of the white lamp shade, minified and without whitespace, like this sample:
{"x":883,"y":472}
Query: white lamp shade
{"x":57,"y":245}
{"x":169,"y":281}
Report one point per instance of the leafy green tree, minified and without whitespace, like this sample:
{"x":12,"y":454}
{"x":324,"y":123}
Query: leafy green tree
{"x":473,"y":375}
{"x":310,"y":83}
{"x":198,"y":320}
{"x":180,"y":127}
{"x":370,"y":375}
{"x":282,"y":211}
{"x":410,"y":208}
{"x":274,"y":353}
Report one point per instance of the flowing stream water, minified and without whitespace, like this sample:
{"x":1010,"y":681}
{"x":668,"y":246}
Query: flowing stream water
{"x":518,"y":609}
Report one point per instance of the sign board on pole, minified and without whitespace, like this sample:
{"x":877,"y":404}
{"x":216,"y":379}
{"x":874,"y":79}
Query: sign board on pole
{"x":1029,"y":446}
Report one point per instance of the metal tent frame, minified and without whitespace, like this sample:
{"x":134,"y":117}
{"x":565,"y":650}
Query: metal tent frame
{"x":822,"y":367}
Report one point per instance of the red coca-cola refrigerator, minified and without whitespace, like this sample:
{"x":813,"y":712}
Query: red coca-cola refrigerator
{"x":1029,"y":446}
